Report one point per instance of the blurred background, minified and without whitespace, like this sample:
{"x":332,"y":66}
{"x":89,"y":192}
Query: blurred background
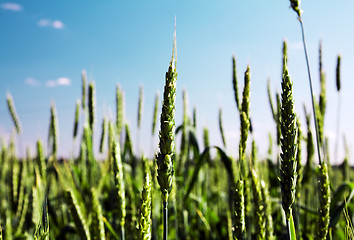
{"x":45,"y":45}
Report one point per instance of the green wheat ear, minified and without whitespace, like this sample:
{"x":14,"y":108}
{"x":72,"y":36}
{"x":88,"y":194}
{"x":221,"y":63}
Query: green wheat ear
{"x":324,"y":200}
{"x":53,"y":130}
{"x":239,"y":218}
{"x":288,"y":146}
{"x":295,"y":5}
{"x":97,"y":225}
{"x":119,"y":186}
{"x":285,"y":56}
{"x":91,"y":105}
{"x":145,"y":221}
{"x":119,"y":109}
{"x":270,"y":99}
{"x":338,"y":84}
{"x":84,"y":83}
{"x":267,"y":211}
{"x":260,"y":219}
{"x":194,"y":117}
{"x":140,"y":105}
{"x":167,"y":133}
{"x":166,"y":156}
{"x":14,"y":116}
{"x":221,"y":128}
{"x":78,"y":213}
{"x":244,"y":119}
{"x":157,"y":97}
{"x":234,"y":83}
{"x":103,"y":134}
{"x":41,"y":161}
{"x":77,"y":116}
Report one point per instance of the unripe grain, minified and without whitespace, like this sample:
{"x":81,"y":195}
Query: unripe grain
{"x":288,"y":168}
{"x":166,"y":155}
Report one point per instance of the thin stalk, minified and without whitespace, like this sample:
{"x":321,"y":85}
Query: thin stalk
{"x":312,"y":97}
{"x":291,"y":228}
{"x":165,"y":222}
{"x":122,"y":232}
{"x":338,"y":130}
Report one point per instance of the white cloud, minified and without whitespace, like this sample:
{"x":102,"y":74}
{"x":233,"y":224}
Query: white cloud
{"x":51,"y":83}
{"x":11,"y":7}
{"x":57,"y":24}
{"x":43,"y":23}
{"x":31,"y":81}
{"x":62,"y":81}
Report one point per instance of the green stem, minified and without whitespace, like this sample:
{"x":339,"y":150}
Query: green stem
{"x":165,"y":222}
{"x":291,"y":227}
{"x":122,"y":232}
{"x":338,"y":131}
{"x":312,"y":97}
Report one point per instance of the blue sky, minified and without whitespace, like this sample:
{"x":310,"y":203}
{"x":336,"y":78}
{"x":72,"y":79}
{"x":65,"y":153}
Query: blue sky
{"x":46,"y":44}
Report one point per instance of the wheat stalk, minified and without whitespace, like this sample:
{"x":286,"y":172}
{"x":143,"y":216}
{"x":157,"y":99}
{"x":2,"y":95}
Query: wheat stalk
{"x":166,"y":155}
